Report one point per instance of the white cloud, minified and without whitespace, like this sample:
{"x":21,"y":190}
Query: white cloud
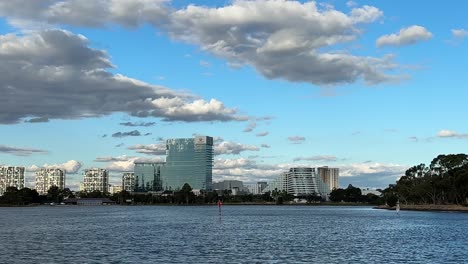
{"x":281,"y":39}
{"x":406,"y":36}
{"x":98,"y":13}
{"x":71,"y":166}
{"x":233,"y":148}
{"x":359,"y":174}
{"x":54,"y":69}
{"x":124,"y":163}
{"x":460,"y":33}
{"x":451,"y":134}
{"x":151,"y":149}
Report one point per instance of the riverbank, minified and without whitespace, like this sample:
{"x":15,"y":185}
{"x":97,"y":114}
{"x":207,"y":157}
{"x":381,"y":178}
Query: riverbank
{"x":428,"y":207}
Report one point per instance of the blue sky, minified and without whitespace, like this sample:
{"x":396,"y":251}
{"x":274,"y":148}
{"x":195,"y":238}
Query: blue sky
{"x":370,"y":87}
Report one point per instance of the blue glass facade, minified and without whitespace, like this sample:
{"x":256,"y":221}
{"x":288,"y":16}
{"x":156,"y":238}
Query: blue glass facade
{"x":188,"y":160}
{"x":148,"y":176}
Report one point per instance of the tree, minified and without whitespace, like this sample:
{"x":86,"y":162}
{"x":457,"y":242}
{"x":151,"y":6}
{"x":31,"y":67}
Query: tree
{"x":185,"y":194}
{"x":54,"y":194}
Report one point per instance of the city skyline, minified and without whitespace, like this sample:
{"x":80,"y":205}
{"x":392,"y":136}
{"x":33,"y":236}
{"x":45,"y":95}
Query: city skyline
{"x":371,"y":88}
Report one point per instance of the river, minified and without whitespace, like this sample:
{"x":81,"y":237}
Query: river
{"x":240,"y":234}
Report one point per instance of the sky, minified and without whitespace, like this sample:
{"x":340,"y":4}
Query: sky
{"x":370,"y":87}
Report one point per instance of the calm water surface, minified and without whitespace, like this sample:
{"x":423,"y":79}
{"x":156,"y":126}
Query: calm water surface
{"x":242,"y":234}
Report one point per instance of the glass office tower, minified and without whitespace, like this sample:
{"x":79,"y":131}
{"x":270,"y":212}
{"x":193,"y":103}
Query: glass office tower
{"x":147,"y":176}
{"x":188,"y":160}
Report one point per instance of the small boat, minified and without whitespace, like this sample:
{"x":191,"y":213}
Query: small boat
{"x":397,"y":209}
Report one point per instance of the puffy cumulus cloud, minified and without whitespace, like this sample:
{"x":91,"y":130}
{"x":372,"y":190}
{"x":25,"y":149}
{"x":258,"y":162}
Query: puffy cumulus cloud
{"x":406,"y":36}
{"x":96,"y":13}
{"x":377,"y":175}
{"x":70,"y":167}
{"x":262,"y":134}
{"x":17,"y":151}
{"x":451,"y":134}
{"x":283,"y":39}
{"x":296,"y":139}
{"x":460,"y":33}
{"x":57,"y":76}
{"x":151,"y":149}
{"x":233,"y":148}
{"x":177,"y":109}
{"x":124,"y":163}
{"x":138,"y":124}
{"x":317,"y":158}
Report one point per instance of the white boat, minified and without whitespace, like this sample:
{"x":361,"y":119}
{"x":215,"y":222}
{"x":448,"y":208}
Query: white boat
{"x":398,"y":207}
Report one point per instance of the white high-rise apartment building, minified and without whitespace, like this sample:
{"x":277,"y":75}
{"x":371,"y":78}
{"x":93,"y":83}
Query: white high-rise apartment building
{"x":96,"y":179}
{"x":128,"y":181}
{"x":330,"y":176}
{"x":11,"y":177}
{"x":46,"y":178}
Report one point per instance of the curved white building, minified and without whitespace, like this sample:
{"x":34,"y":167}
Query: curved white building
{"x":300,"y":182}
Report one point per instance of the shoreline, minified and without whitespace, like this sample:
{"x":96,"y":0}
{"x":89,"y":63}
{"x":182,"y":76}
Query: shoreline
{"x":428,"y":208}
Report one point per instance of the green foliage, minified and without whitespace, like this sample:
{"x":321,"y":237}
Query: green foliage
{"x":25,"y":196}
{"x":444,"y":181}
{"x":351,"y":195}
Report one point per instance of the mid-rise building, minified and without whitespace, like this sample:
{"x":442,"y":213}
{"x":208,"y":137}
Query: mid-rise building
{"x":11,"y":177}
{"x":115,"y":188}
{"x":46,"y":178}
{"x":128,"y":181}
{"x":299,"y":182}
{"x":330,"y":177}
{"x":96,"y":179}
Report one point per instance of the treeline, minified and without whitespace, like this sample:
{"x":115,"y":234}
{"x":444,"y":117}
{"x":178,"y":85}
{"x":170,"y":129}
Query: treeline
{"x":186,"y":196}
{"x":444,"y":181}
{"x":27,"y":196}
{"x":354,"y":195}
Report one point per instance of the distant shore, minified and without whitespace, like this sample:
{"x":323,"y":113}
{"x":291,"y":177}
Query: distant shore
{"x":428,"y":207}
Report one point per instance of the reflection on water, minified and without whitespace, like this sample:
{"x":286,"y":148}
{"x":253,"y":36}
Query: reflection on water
{"x":237,"y":234}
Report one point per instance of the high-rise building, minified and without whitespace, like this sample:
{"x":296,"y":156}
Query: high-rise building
{"x":330,"y":176}
{"x":188,"y":160}
{"x":96,"y":179}
{"x":11,"y":177}
{"x":128,"y":181}
{"x":147,"y":176}
{"x":299,"y":182}
{"x":46,"y":178}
